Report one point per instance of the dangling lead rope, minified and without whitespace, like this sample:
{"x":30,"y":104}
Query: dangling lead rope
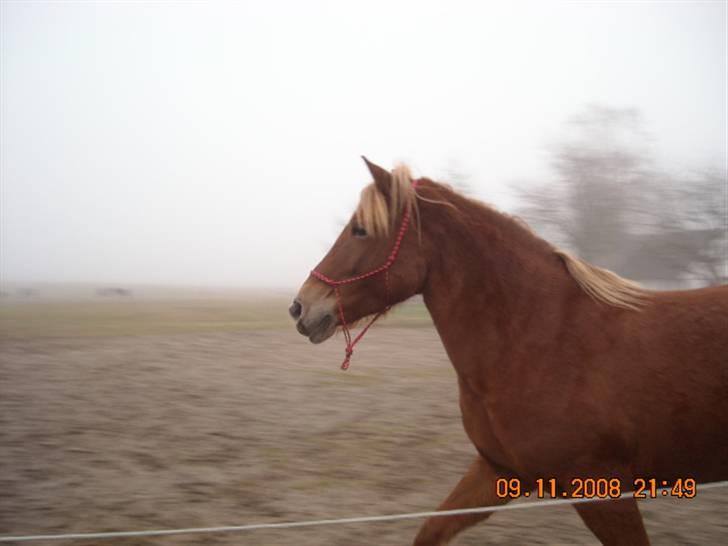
{"x":336,"y":285}
{"x":349,"y":350}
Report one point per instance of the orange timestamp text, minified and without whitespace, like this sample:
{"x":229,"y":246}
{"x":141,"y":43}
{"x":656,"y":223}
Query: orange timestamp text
{"x":596,"y":488}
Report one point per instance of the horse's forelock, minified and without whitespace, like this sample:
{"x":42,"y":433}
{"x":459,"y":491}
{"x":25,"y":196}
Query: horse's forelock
{"x":379,"y":214}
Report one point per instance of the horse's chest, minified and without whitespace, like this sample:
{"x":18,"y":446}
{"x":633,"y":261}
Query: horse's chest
{"x":481,"y":428}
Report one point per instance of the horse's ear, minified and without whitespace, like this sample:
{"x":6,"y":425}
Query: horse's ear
{"x":382,"y":177}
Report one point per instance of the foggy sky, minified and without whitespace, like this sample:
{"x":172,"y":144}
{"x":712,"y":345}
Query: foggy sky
{"x":219,"y":143}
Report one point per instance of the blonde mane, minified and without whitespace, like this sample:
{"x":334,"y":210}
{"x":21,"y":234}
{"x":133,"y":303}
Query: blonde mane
{"x":378,"y":215}
{"x":603,"y":285}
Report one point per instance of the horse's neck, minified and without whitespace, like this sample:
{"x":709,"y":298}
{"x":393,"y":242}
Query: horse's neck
{"x":488,"y":280}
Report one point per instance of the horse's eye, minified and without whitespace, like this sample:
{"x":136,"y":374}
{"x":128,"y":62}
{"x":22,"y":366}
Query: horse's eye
{"x":357,"y":231}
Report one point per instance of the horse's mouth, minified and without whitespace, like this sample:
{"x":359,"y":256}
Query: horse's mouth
{"x":320,"y":330}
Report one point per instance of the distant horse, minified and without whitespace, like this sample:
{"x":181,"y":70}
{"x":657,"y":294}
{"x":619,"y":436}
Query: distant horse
{"x":566,"y":371}
{"x":121,"y":292}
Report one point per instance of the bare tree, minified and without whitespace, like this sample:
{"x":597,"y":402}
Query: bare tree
{"x":598,"y":168}
{"x":695,"y":210}
{"x":612,"y":207}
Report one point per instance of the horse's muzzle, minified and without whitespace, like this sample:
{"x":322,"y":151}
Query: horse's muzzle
{"x":317,"y":329}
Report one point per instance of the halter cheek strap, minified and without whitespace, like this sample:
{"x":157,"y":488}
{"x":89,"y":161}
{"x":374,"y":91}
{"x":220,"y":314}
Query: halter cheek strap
{"x":336,"y":285}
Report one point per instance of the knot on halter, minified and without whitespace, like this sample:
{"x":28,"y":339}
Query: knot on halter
{"x":336,"y":285}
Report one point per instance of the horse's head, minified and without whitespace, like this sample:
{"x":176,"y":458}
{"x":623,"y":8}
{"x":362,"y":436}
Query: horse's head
{"x":375,"y":263}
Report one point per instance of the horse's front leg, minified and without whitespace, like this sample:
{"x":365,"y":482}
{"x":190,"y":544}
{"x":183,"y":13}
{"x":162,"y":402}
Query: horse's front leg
{"x":476,"y":488}
{"x":615,"y":523}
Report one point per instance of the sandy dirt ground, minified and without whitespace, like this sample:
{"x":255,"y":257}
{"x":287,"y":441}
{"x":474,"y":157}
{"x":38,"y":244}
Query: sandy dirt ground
{"x":193,"y":430}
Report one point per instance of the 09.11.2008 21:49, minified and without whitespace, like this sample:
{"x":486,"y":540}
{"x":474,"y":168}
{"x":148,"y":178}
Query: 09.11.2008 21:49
{"x":596,"y":488}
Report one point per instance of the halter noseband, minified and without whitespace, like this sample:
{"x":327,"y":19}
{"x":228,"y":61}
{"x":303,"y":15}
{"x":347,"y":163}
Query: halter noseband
{"x":336,"y":285}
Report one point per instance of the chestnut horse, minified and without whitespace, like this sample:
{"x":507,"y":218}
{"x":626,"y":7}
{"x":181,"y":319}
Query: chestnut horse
{"x":565,"y":369}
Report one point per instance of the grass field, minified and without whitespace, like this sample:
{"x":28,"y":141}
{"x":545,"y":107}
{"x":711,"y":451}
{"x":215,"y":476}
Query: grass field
{"x":154,"y":314}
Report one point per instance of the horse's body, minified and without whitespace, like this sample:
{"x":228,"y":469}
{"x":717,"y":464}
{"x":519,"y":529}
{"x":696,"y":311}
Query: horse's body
{"x":564,"y":370}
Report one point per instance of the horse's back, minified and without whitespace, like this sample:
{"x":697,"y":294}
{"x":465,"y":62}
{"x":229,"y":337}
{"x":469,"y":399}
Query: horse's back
{"x":685,"y":361}
{"x":717,"y":294}
{"x":693,"y":323}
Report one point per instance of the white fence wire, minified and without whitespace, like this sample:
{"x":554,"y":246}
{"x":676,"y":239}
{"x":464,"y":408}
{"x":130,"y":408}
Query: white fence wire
{"x":320,"y":522}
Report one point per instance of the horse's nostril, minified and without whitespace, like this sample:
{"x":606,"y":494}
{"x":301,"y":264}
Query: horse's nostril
{"x":295,"y":309}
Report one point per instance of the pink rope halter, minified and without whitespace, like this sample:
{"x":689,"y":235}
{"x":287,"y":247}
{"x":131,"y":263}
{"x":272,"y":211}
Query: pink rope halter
{"x":384,"y":268}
